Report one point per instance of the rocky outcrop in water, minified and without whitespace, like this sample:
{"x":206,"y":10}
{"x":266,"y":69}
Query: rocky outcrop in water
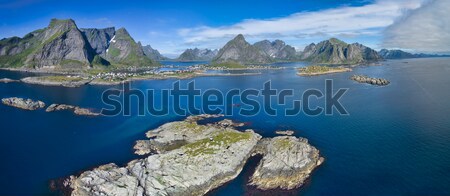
{"x":287,"y":163}
{"x":191,"y":159}
{"x":197,"y":55}
{"x":208,"y":159}
{"x":75,"y":109}
{"x":277,"y":50}
{"x":240,"y":51}
{"x":369,"y":80}
{"x":8,"y":80}
{"x":26,"y":104}
{"x":334,"y":51}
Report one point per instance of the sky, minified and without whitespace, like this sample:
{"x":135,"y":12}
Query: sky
{"x":173,"y":26}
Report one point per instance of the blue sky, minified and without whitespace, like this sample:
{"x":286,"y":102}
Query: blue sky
{"x":172,"y":26}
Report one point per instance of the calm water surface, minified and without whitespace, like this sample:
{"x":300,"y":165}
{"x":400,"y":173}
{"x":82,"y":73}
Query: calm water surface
{"x":394,"y":142}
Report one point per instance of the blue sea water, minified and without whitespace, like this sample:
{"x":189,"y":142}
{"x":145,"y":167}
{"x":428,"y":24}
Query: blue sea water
{"x":395,"y":140}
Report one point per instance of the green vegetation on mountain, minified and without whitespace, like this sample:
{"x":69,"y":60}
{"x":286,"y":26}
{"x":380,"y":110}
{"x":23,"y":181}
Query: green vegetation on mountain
{"x":61,"y":45}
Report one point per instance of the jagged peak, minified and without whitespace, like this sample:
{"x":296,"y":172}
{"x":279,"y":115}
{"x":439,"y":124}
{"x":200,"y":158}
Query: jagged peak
{"x":54,"y":22}
{"x":122,"y":30}
{"x":239,"y":37}
{"x":337,"y":41}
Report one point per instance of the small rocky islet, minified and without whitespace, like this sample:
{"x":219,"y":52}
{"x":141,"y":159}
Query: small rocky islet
{"x":187,"y":158}
{"x":25,"y":104}
{"x":29,"y":104}
{"x":370,"y":80}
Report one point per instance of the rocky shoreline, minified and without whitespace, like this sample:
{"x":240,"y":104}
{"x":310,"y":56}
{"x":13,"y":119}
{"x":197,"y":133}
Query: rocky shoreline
{"x":187,"y":158}
{"x":26,"y":104}
{"x":370,"y":80}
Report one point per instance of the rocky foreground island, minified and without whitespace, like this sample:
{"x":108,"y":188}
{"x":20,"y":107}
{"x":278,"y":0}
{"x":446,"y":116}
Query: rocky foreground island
{"x":370,"y":80}
{"x":188,"y":158}
{"x":26,"y":104}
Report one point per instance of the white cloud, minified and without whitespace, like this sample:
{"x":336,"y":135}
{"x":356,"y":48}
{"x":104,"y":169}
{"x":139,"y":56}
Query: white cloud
{"x":342,"y":22}
{"x":426,"y":29}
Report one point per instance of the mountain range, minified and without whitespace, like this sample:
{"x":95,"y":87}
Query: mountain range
{"x":332,"y":51}
{"x":63,"y":45}
{"x":399,"y":54}
{"x":197,"y":55}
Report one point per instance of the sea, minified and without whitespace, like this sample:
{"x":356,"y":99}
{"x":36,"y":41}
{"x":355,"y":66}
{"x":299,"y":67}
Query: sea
{"x":395,"y":139}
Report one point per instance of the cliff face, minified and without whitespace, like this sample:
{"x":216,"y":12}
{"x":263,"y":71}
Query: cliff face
{"x":239,"y":50}
{"x":197,"y":55}
{"x":124,"y":50}
{"x":277,"y":50}
{"x":62,"y":45}
{"x":99,"y":38}
{"x":334,"y":51}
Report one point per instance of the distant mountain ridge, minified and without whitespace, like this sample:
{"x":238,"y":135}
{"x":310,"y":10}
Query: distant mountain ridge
{"x":153,"y":53}
{"x":278,"y":50}
{"x":63,"y":45}
{"x":332,"y":51}
{"x":240,"y":51}
{"x":335,"y":51}
{"x":399,"y":54}
{"x":197,"y":55}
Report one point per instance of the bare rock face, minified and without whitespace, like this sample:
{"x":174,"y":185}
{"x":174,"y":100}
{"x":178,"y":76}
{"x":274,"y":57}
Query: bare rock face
{"x":99,"y":38}
{"x":286,"y":164}
{"x":107,"y":180}
{"x":63,"y":45}
{"x":26,"y":104}
{"x":202,"y":164}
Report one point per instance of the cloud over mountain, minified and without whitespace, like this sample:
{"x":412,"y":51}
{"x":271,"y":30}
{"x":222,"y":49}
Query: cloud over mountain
{"x":342,"y":21}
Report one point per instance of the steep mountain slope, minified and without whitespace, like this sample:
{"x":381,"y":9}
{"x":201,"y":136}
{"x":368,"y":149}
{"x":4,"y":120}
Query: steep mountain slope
{"x":240,"y":51}
{"x":334,"y":51}
{"x":124,"y":50}
{"x":197,"y":55}
{"x":153,"y":53}
{"x":277,"y":50}
{"x":62,"y":45}
{"x":99,"y":38}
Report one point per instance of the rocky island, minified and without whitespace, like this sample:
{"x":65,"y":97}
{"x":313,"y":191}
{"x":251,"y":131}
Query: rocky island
{"x":369,"y":80}
{"x":26,"y":104}
{"x":76,"y":110}
{"x":188,"y":158}
{"x":316,"y":70}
